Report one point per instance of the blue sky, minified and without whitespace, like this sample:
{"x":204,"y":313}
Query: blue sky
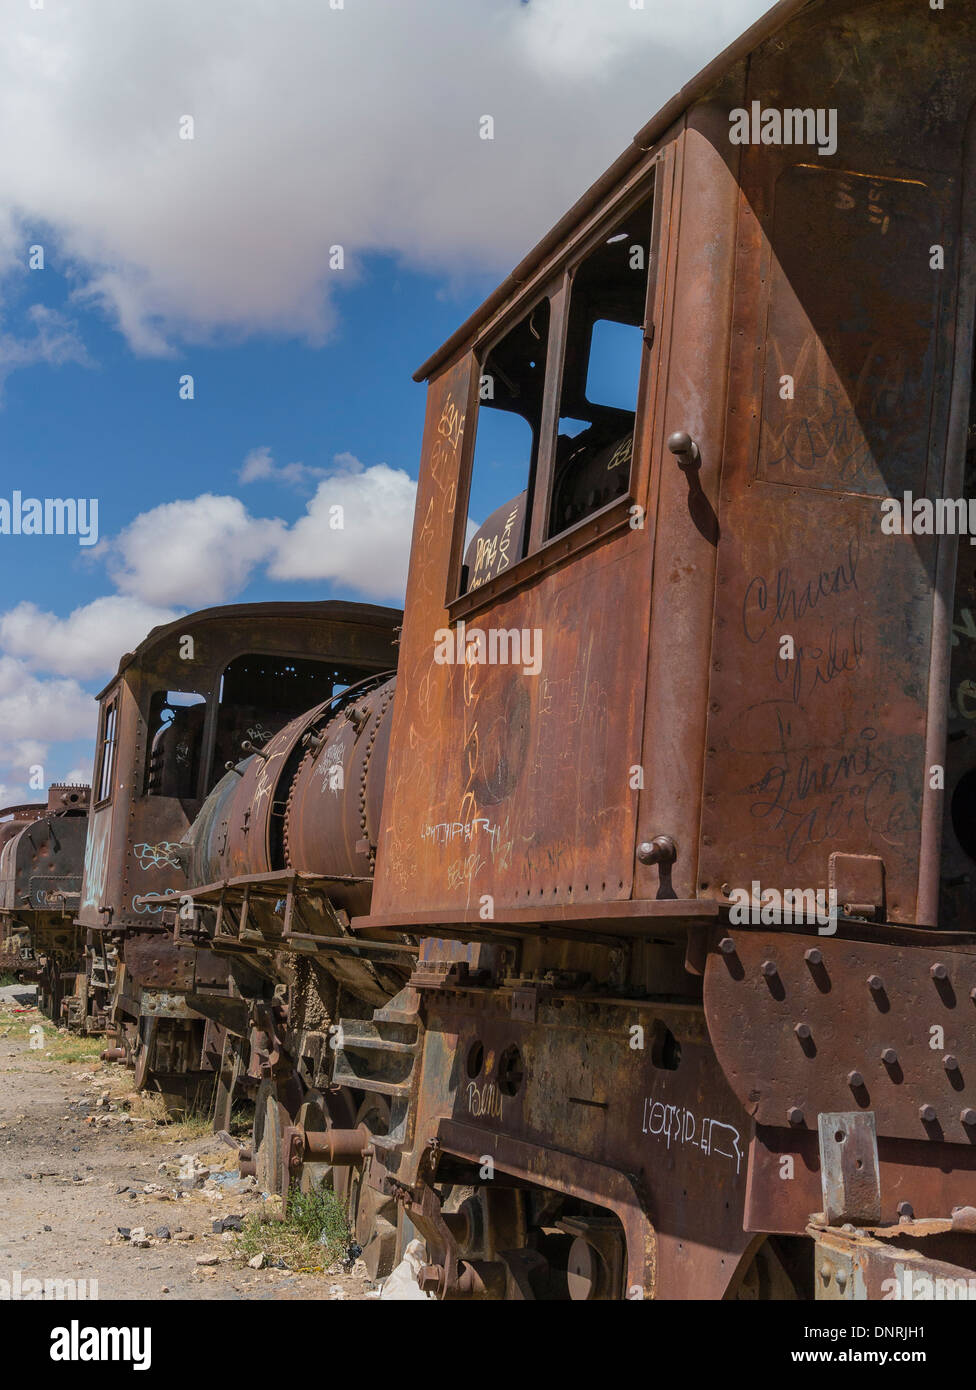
{"x":312,"y":126}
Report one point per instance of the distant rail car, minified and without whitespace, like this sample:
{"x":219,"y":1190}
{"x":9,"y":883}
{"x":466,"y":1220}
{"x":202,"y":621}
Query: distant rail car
{"x":41,"y":859}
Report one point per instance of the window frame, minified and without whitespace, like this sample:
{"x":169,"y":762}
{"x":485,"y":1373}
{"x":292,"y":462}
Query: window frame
{"x":544,"y":552}
{"x":111,"y":705}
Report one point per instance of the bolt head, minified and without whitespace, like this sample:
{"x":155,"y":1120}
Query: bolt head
{"x":727,"y":946}
{"x":855,"y":1080}
{"x":876,"y":983}
{"x":768,"y":968}
{"x":802,"y":1030}
{"x":889,"y":1056}
{"x":939,"y":971}
{"x":968,"y":1116}
{"x":813,"y":956}
{"x":906,"y":1211}
{"x":795,"y":1115}
{"x":926,"y":1113}
{"x":950,"y":1062}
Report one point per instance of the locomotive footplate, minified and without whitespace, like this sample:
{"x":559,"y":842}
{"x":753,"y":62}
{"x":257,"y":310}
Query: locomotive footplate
{"x":274,"y":912}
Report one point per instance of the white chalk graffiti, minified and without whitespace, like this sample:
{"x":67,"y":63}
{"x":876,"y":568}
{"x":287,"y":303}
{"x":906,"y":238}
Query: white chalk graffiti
{"x":680,"y":1126}
{"x":446,"y":833}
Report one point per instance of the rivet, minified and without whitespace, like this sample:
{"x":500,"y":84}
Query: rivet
{"x":950,"y":1063}
{"x":906,"y":1210}
{"x":802,"y":1030}
{"x":926,"y":1113}
{"x":854,"y":1080}
{"x":968,"y":1116}
{"x":889,"y":1056}
{"x":939,"y":971}
{"x":768,"y":968}
{"x":795,"y":1115}
{"x":727,"y":946}
{"x":876,"y":983}
{"x":815,"y":957}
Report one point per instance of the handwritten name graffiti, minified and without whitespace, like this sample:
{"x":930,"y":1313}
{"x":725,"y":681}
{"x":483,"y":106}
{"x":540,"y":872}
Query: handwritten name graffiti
{"x":447,"y":832}
{"x":679,"y":1126}
{"x":484,"y":1102}
{"x":771,"y":607}
{"x":154,"y":856}
{"x":493,"y":554}
{"x":810,"y":801}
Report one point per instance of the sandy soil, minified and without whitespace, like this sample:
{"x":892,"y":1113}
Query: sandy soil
{"x":75,"y":1166}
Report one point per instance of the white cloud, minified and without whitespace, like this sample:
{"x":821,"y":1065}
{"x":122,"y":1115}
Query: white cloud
{"x":205,"y":550}
{"x":89,"y":642}
{"x":194,"y":553}
{"x":370,"y":551}
{"x":35,"y":713}
{"x":54,"y":341}
{"x":314,"y":127}
{"x":259,"y":466}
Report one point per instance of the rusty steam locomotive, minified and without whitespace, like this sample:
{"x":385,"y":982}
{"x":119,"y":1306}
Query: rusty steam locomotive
{"x":622,"y":943}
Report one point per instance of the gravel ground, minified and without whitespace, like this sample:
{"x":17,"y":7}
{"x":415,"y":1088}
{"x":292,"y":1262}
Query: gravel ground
{"x":74,"y":1167}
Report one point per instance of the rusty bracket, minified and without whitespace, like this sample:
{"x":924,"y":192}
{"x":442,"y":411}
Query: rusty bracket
{"x":849,"y":1174}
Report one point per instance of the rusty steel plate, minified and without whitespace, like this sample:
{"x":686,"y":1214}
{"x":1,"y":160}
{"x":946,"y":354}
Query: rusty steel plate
{"x":887,"y":1028}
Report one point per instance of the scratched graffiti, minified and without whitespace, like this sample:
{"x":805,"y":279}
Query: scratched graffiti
{"x":158,"y":855}
{"x":680,"y":1127}
{"x":446,"y":832}
{"x":484,"y":1102}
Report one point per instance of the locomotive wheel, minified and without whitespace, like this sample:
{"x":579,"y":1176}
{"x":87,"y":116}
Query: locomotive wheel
{"x":372,"y":1217}
{"x":270,"y":1121}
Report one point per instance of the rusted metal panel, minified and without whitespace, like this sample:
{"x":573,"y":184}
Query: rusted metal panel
{"x":526,"y":794}
{"x":845,"y":401}
{"x":803,"y":1025}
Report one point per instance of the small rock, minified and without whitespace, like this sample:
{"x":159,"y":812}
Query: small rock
{"x":208,"y":1259}
{"x":122,"y":1187}
{"x":47,"y":1228}
{"x":164,"y":1289}
{"x":257,"y":1262}
{"x":162,"y":1233}
{"x":124,"y":1232}
{"x":227,"y":1223}
{"x":183,"y":1235}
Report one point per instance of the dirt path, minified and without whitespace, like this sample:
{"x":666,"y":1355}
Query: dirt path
{"x":75,"y":1166}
